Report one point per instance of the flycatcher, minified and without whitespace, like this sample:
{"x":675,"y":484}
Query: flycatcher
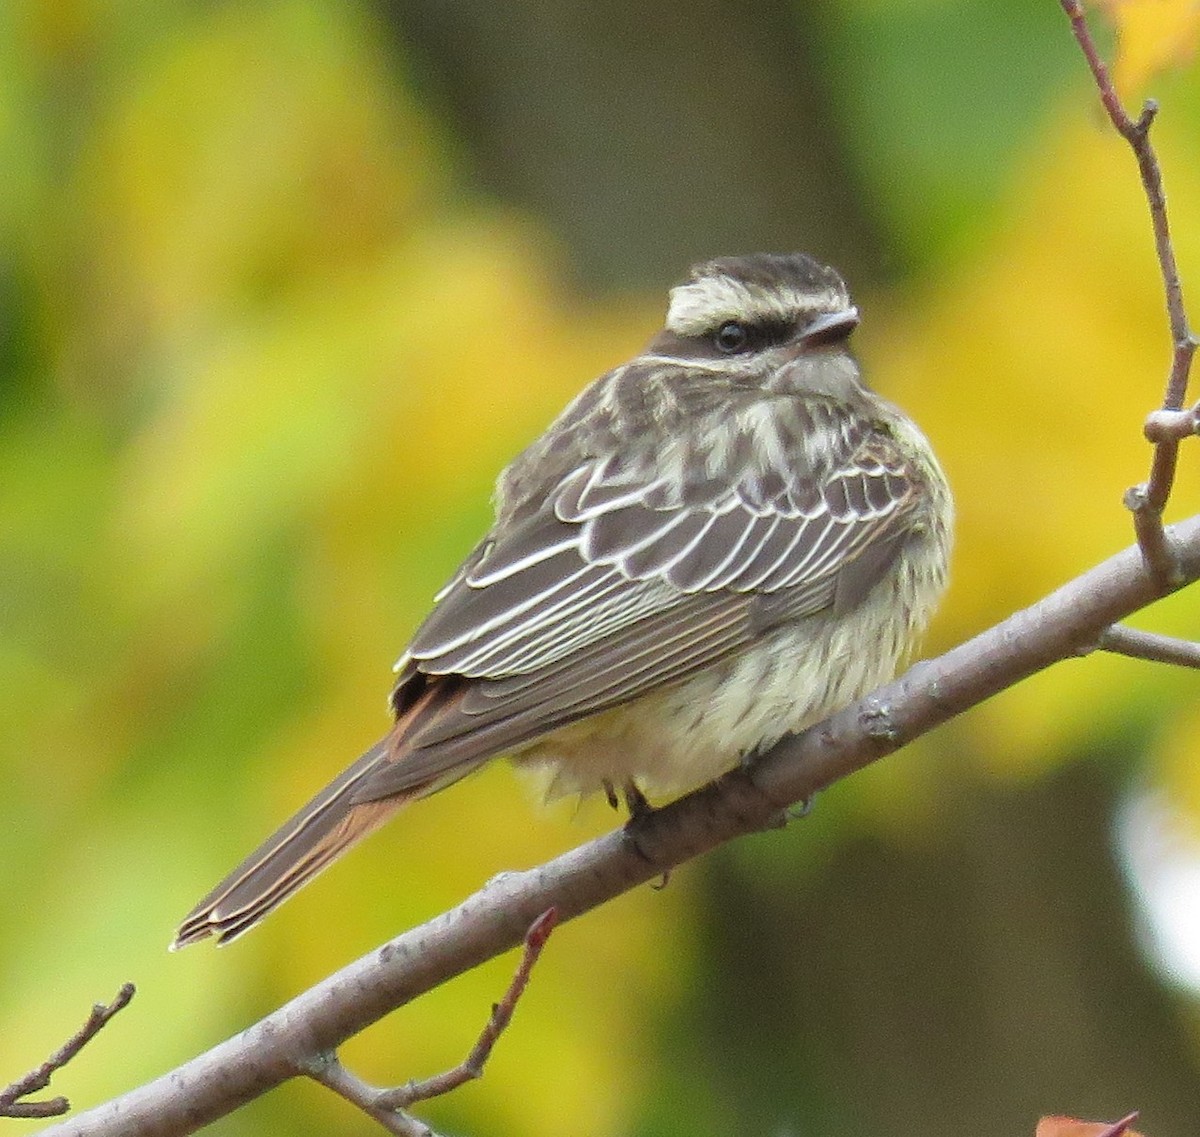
{"x":722,"y":541}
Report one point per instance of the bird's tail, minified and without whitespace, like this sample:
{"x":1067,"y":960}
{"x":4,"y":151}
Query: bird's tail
{"x":316,"y":836}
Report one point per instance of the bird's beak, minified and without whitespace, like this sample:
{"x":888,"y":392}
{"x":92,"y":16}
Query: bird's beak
{"x":830,"y":327}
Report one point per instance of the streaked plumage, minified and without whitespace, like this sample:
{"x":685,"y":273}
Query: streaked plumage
{"x":717,"y":543}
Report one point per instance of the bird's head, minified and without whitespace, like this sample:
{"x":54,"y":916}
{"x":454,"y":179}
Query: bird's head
{"x":755,"y":316}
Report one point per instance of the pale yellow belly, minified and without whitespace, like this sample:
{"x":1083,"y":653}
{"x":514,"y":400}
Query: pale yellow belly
{"x":681,"y":737}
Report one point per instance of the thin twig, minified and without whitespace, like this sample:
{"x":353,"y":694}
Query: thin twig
{"x":329,"y":1071}
{"x":472,"y":1066}
{"x":38,"y":1078}
{"x":388,"y":1106}
{"x":1148,"y":500}
{"x":1151,"y":646}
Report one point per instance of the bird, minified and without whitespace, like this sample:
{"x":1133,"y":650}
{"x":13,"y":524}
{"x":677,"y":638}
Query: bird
{"x":719,"y":542}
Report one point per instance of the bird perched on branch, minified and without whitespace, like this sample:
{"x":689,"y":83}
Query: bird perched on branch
{"x":717,"y":543}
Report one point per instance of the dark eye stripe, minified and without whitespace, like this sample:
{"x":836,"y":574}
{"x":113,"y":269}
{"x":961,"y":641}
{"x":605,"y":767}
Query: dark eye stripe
{"x":735,"y":336}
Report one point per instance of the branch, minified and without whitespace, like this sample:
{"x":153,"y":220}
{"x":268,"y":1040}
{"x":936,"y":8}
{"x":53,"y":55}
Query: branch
{"x":1156,"y":648}
{"x":284,"y":1044}
{"x":1148,"y":500}
{"x":388,"y":1106}
{"x":472,"y":1066}
{"x":38,"y":1078}
{"x":328,"y":1070}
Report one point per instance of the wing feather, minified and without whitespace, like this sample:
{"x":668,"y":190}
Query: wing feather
{"x":759,"y":534}
{"x":668,"y":546}
{"x":559,"y":612}
{"x":517,"y":556}
{"x":592,"y":620}
{"x":701,"y":563}
{"x":468,"y":614}
{"x":815,"y":537}
{"x":775,"y":554}
{"x":821,"y":558}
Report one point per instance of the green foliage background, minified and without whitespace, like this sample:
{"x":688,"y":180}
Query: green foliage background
{"x":271,"y":324}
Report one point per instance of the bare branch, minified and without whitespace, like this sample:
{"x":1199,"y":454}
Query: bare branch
{"x":388,"y":1106}
{"x":495,"y":919}
{"x":38,"y":1078}
{"x":1148,"y":500}
{"x":1151,"y":646}
{"x":472,"y":1066}
{"x":329,"y":1071}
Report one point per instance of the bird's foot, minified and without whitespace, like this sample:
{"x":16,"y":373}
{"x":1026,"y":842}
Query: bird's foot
{"x":802,"y":808}
{"x":635,"y":801}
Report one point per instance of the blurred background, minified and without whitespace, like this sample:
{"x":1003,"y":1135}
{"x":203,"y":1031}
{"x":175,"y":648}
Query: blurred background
{"x":283,"y":283}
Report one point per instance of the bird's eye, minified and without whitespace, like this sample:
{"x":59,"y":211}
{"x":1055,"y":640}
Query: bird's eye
{"x":731,"y":337}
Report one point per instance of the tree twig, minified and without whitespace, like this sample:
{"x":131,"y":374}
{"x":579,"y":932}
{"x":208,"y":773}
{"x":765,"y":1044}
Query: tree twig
{"x":472,"y":1066}
{"x":328,"y":1070}
{"x":389,"y":1106}
{"x":1148,"y":500}
{"x":1121,"y":640}
{"x":11,"y":1103}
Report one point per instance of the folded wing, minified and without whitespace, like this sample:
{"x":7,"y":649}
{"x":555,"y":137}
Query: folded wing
{"x":628,"y":580}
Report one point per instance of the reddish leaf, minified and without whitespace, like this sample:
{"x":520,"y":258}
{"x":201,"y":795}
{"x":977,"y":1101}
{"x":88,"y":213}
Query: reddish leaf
{"x":1073,"y":1127}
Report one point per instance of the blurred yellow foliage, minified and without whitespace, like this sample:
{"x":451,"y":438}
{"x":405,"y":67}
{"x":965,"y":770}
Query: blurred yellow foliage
{"x":1152,"y":35}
